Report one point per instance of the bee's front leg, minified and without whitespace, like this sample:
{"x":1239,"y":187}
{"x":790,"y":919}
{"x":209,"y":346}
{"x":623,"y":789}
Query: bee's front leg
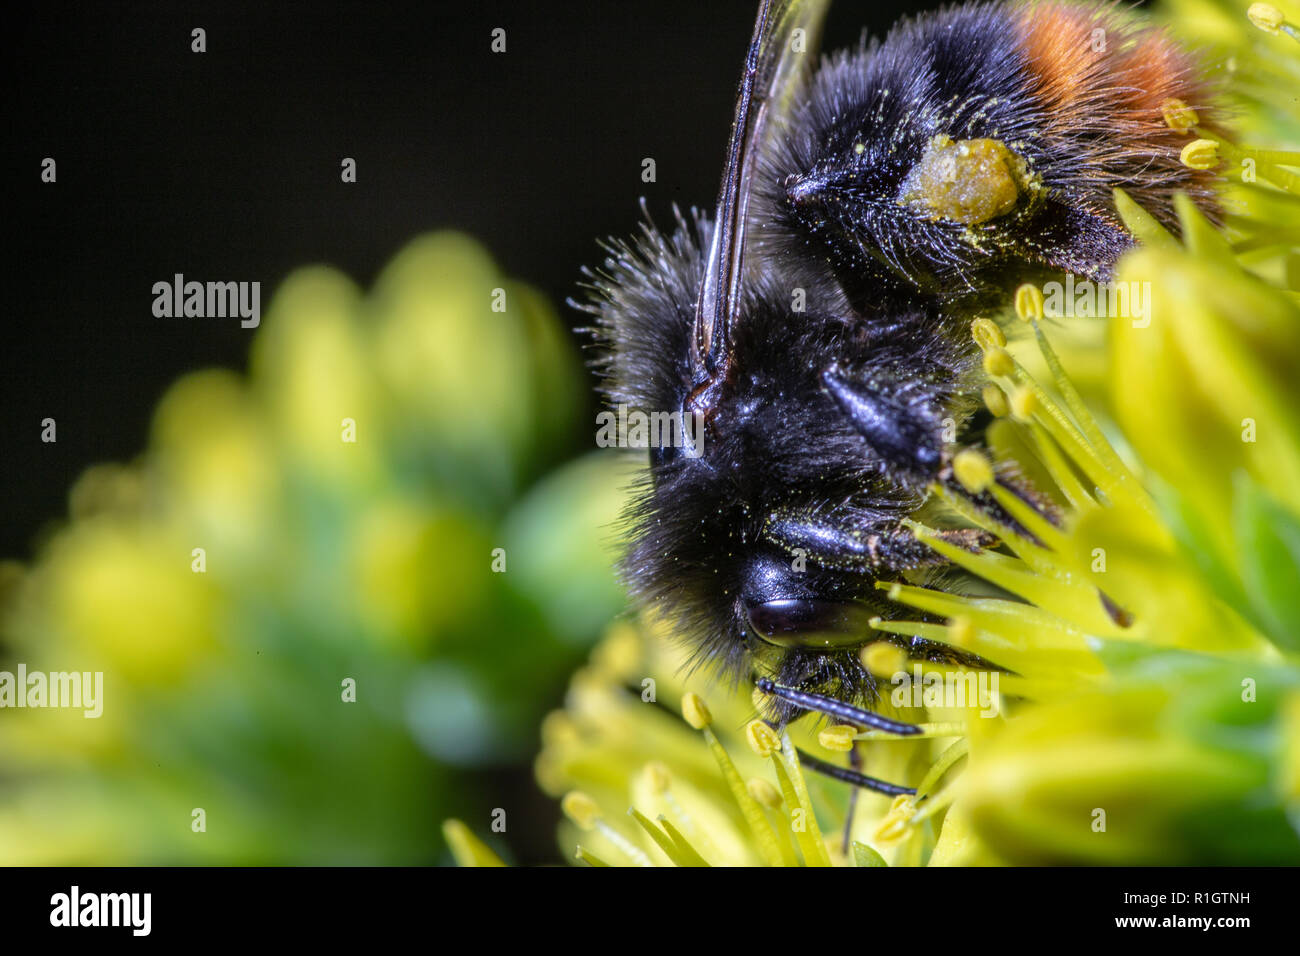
{"x":886,"y":547}
{"x":904,"y":432}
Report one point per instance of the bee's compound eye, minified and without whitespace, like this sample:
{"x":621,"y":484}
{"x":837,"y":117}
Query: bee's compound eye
{"x":807,"y":622}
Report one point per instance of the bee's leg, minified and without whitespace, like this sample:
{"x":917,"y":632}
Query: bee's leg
{"x":809,"y":762}
{"x":908,"y":437}
{"x":987,"y":503}
{"x":835,"y":708}
{"x":888,"y":547}
{"x":900,"y":433}
{"x":1073,"y":239}
{"x":898,"y":549}
{"x":849,"y":714}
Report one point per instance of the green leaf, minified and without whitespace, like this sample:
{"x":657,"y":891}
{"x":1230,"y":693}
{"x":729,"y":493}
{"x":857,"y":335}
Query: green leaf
{"x":863,"y":855}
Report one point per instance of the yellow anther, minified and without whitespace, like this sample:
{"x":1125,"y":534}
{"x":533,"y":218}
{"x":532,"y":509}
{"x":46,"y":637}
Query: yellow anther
{"x":1029,"y":302}
{"x":619,"y":653}
{"x":883,"y":658}
{"x":1200,"y":154}
{"x":764,"y":793}
{"x":1178,"y":115}
{"x":895,"y":823}
{"x":961,"y":631}
{"x":658,"y":776}
{"x":973,"y":470}
{"x":696,"y":712}
{"x":840,"y":737}
{"x":1024,"y":403}
{"x":987,"y":335}
{"x":996,"y":400}
{"x":559,"y":729}
{"x":580,"y":808}
{"x":762,"y":738}
{"x":998,"y":363}
{"x":1266,"y":16}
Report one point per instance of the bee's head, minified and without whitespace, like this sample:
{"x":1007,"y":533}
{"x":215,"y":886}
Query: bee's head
{"x":707,"y":552}
{"x":757,"y":536}
{"x":738,"y":537}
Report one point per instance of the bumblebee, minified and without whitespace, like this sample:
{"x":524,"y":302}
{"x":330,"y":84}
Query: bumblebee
{"x":817,"y":321}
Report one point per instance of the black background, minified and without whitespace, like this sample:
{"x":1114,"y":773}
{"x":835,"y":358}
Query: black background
{"x":225,"y":166}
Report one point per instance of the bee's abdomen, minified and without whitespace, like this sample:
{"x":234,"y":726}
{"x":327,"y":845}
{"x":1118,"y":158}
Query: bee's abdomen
{"x":1104,"y":83}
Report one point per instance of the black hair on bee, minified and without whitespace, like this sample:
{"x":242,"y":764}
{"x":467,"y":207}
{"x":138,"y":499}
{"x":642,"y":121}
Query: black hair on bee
{"x":818,"y":323}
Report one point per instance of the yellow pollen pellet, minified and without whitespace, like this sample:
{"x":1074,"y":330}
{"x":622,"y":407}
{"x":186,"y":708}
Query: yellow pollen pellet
{"x":969,"y":181}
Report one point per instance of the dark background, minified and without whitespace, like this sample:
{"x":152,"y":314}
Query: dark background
{"x":225,"y":166}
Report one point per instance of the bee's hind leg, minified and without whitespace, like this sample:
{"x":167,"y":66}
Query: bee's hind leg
{"x":887,"y":546}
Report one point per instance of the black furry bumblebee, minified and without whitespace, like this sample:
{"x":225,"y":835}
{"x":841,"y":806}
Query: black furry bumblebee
{"x":817,"y":323}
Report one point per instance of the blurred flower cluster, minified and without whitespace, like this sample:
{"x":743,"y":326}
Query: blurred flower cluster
{"x":1150,"y":707}
{"x":367,"y":514}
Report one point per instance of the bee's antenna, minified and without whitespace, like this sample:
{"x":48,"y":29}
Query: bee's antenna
{"x":835,"y":708}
